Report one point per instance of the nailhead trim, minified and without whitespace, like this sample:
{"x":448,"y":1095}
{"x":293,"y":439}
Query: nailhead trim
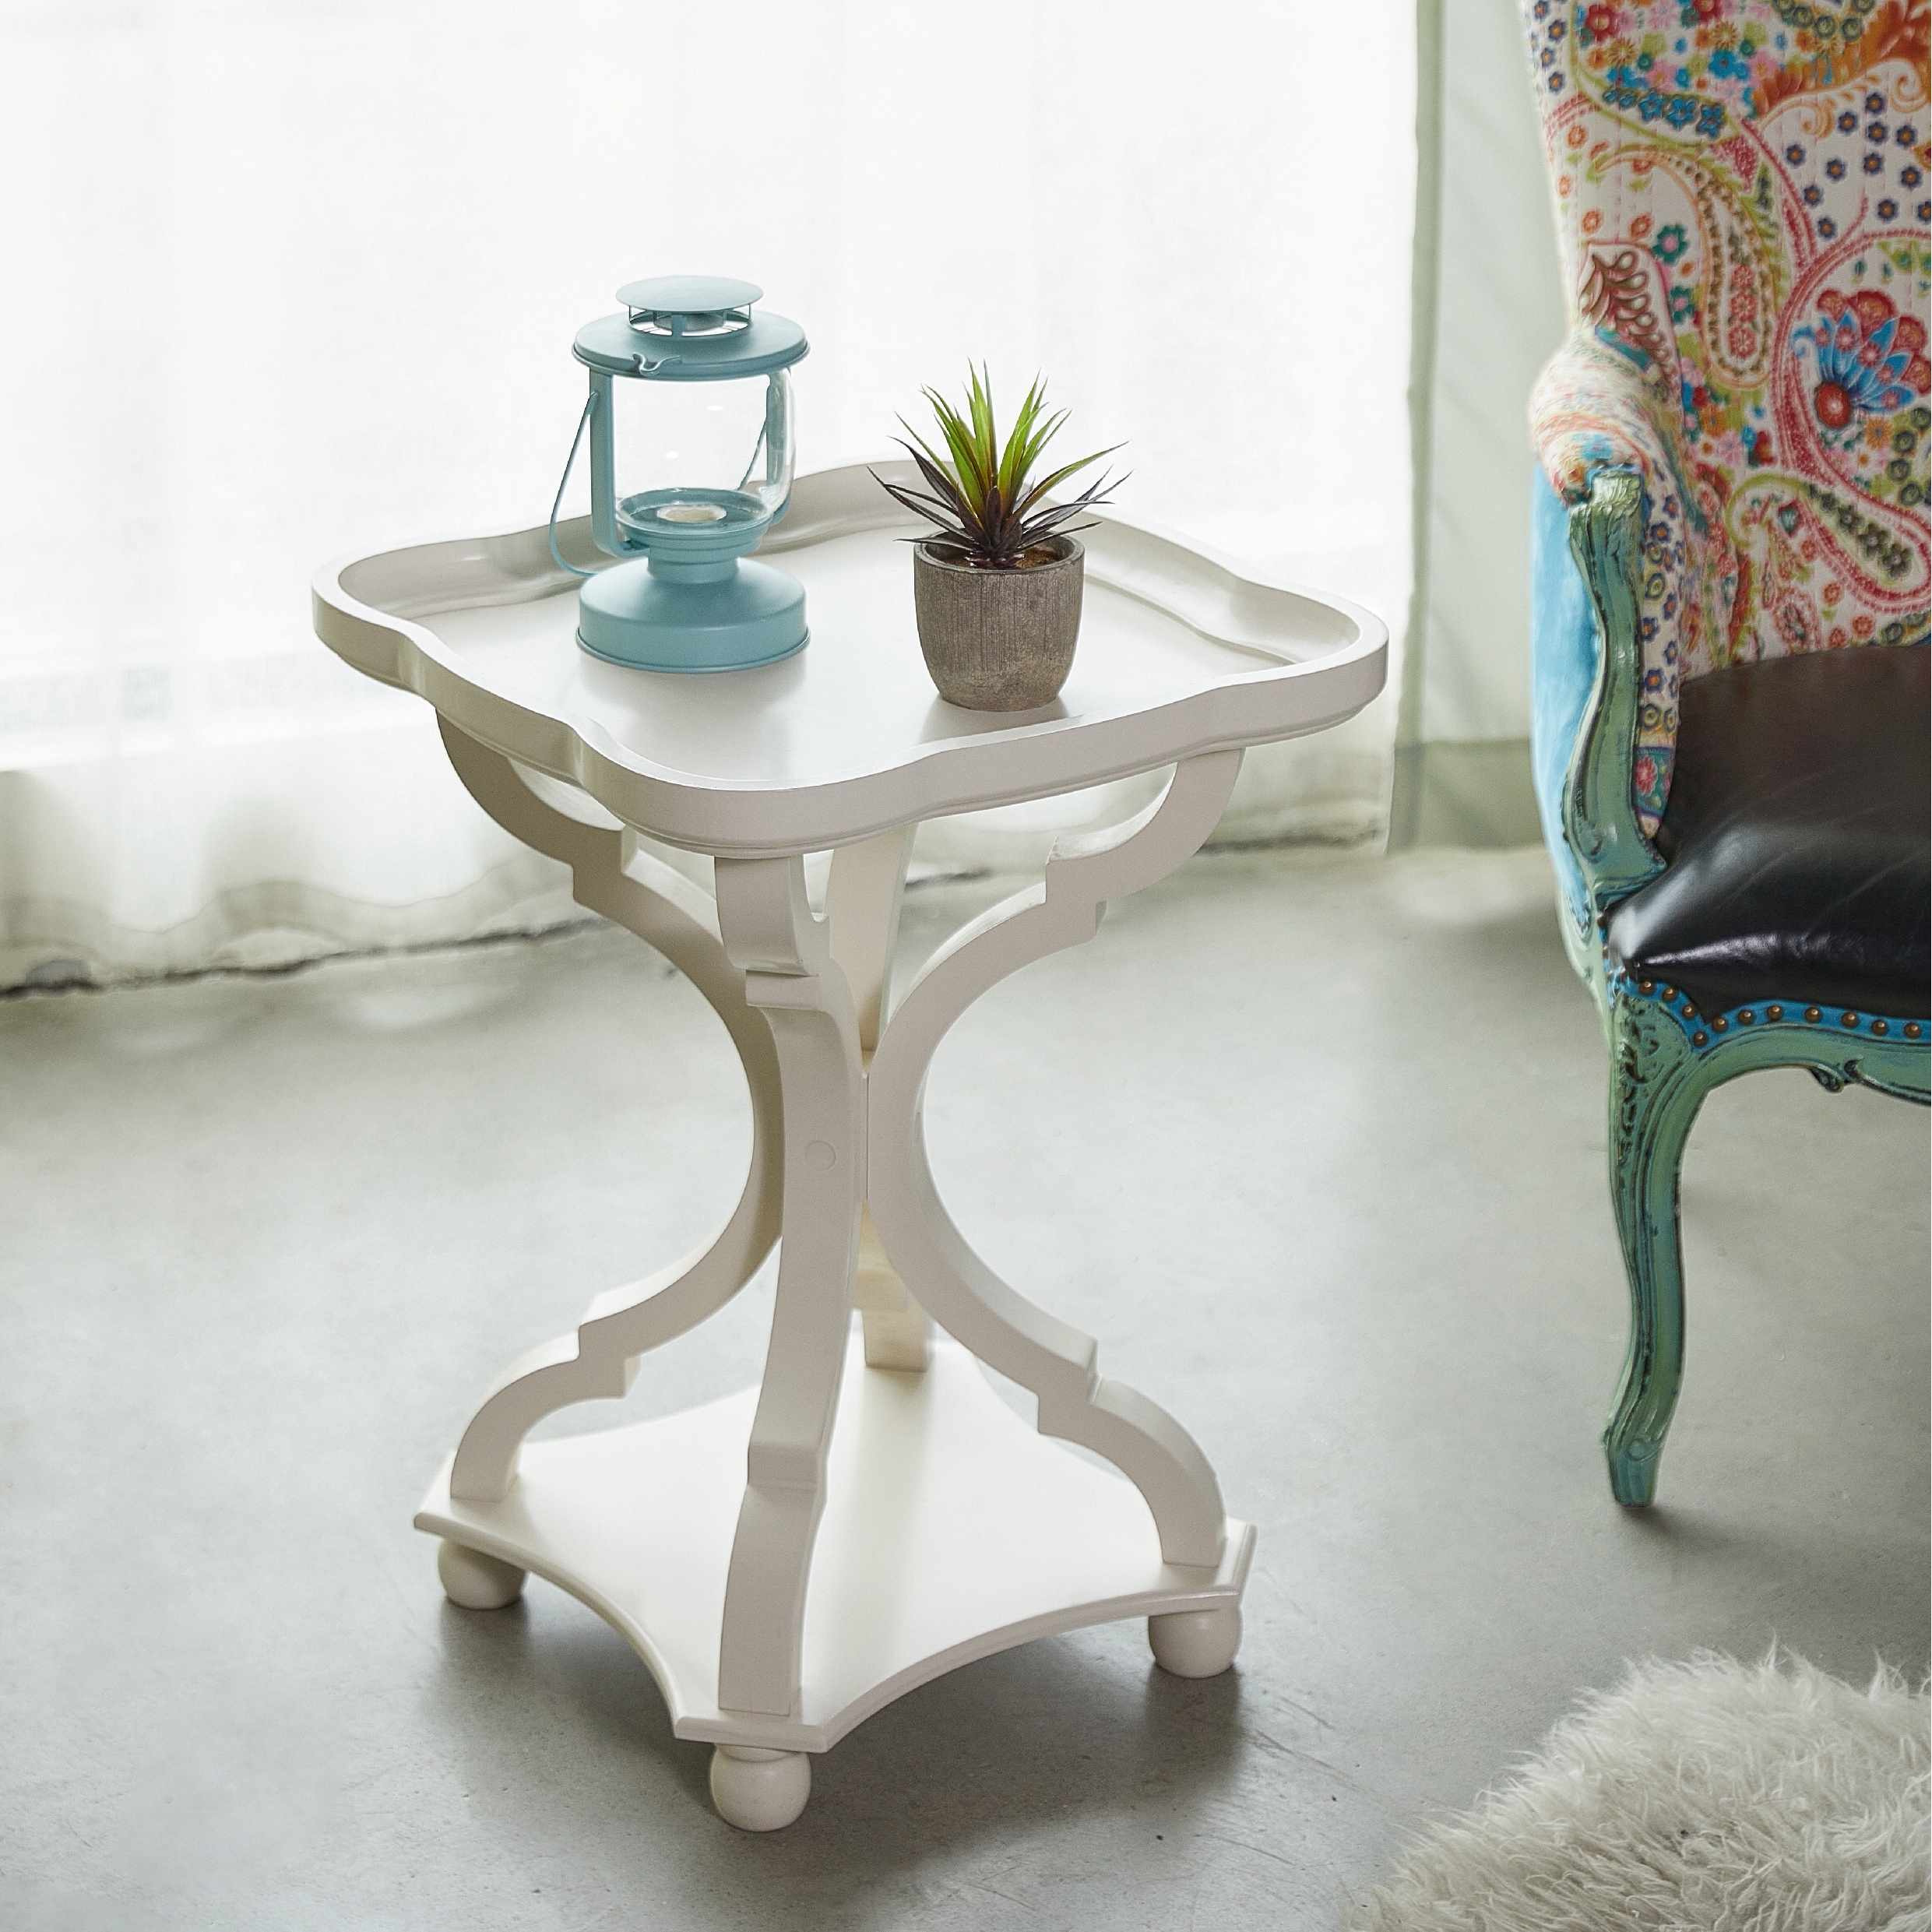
{"x":1774,"y":1015}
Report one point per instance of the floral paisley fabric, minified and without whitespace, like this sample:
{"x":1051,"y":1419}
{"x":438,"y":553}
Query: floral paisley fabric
{"x":1742,"y":200}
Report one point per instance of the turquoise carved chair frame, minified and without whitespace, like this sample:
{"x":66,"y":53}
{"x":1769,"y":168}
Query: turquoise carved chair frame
{"x":1695,"y":518}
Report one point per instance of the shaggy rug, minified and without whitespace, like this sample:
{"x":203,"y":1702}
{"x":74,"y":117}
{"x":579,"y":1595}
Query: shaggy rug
{"x":1706,"y":1796}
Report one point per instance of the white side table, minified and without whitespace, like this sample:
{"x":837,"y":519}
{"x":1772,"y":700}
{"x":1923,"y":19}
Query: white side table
{"x":789,"y":1561}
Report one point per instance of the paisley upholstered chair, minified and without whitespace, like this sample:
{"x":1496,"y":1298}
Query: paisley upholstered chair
{"x":1730,"y":577}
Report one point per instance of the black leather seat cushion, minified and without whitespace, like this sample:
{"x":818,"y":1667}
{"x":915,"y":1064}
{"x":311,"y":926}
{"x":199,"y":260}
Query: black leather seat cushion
{"x":1797,"y":838}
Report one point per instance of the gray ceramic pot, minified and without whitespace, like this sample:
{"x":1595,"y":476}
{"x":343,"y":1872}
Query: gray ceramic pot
{"x":998,"y":640}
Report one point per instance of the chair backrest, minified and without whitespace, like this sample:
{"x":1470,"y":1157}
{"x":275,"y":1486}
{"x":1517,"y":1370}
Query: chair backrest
{"x":1742,"y":198}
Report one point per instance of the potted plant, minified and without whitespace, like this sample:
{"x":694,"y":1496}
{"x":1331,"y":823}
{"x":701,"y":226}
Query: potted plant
{"x":996,"y":591}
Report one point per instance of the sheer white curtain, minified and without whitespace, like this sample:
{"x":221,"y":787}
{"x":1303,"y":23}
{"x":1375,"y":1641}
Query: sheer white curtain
{"x":290,"y":282}
{"x":1489,"y":314}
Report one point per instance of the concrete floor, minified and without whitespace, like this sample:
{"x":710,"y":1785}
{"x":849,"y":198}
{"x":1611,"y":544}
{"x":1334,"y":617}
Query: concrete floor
{"x":1313,"y":1142}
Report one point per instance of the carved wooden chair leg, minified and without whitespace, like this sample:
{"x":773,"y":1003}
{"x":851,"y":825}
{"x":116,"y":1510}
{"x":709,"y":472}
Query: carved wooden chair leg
{"x":1656,"y":1087}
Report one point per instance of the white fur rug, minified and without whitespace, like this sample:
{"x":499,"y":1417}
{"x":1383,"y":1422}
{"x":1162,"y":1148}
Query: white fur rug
{"x":1707,"y":1797}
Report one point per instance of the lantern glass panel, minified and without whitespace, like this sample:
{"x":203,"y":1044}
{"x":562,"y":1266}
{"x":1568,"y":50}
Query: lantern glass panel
{"x":700,"y":453}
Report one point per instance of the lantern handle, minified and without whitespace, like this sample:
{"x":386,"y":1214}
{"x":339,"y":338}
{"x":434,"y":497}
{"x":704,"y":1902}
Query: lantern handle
{"x":570,"y":464}
{"x":753,"y":464}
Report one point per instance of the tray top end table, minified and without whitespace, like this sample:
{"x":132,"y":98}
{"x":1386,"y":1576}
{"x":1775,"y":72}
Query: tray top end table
{"x":790,"y":1560}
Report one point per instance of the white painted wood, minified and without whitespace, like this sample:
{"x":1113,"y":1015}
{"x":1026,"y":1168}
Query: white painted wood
{"x":785,"y":951}
{"x":1195,"y":1643}
{"x":473,"y":1581}
{"x":610,"y":876}
{"x":863,"y":896}
{"x":951,"y":1530}
{"x":897,"y":1332}
{"x":759,"y":1790}
{"x":788,"y":1560}
{"x":1181,"y":652}
{"x":1056,"y":1361}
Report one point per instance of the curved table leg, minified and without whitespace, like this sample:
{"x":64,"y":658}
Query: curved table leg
{"x":1053,"y":1360}
{"x":862,"y":902}
{"x":610,"y":876}
{"x":786,"y":956}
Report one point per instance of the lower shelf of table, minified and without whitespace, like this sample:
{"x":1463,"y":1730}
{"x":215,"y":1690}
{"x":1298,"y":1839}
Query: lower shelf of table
{"x":951,"y":1530}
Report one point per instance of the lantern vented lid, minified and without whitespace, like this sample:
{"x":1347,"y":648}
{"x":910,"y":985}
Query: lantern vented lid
{"x":690,"y":328}
{"x":690,"y":304}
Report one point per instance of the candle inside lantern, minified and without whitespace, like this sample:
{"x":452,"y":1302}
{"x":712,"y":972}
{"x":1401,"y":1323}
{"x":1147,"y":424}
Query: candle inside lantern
{"x":691,"y":512}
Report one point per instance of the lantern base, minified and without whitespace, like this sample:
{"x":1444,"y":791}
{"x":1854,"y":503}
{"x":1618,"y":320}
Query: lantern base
{"x":749,"y":614}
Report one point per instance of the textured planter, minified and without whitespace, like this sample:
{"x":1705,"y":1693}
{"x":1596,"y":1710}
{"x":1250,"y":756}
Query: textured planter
{"x":998,"y":640}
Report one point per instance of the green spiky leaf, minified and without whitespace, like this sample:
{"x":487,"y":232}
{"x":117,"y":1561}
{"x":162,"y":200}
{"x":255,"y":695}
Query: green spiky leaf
{"x":980,"y":493}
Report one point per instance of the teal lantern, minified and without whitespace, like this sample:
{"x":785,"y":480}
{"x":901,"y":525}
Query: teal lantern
{"x":690,"y":417}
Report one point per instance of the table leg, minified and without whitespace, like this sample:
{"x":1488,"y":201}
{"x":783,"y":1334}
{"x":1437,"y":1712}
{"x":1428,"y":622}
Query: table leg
{"x":932,"y":1525}
{"x":1053,"y":1360}
{"x":862,"y":903}
{"x":790,"y":973}
{"x":610,"y":875}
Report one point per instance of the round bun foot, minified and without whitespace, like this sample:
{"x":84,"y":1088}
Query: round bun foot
{"x":475,"y":1581}
{"x":1195,"y":1643}
{"x":759,"y":1790}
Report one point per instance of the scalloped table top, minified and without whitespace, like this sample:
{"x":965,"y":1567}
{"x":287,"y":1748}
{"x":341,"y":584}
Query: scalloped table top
{"x":1181,"y":652}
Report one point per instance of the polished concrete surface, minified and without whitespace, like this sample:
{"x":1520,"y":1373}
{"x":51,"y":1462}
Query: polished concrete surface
{"x":1313,"y":1142}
